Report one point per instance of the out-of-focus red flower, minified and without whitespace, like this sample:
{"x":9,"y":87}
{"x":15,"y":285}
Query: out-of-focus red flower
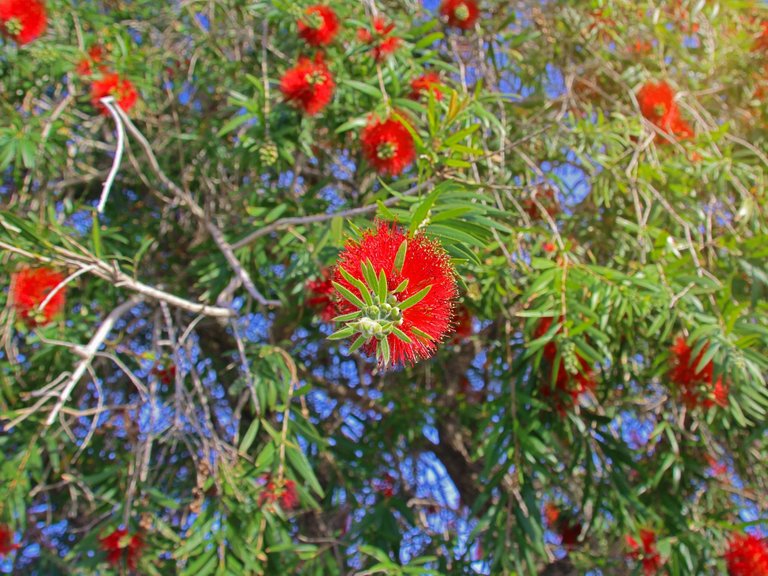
{"x":286,"y":495}
{"x":166,"y":374}
{"x":564,"y":525}
{"x":95,"y":56}
{"x":318,"y":26}
{"x":388,"y":145}
{"x":545,"y":196}
{"x":29,"y":289}
{"x":309,"y":85}
{"x":747,"y":555}
{"x":323,"y":301}
{"x":384,"y":43}
{"x":22,"y":20}
{"x":120,"y":544}
{"x":641,"y":47}
{"x":657,"y":104}
{"x":761,"y":43}
{"x":6,"y":541}
{"x":121,"y":89}
{"x":645,"y":552}
{"x":385,"y":48}
{"x":385,"y":486}
{"x":463,"y":322}
{"x":425,"y":84}
{"x":716,"y":467}
{"x":548,"y":247}
{"x":696,"y":388}
{"x":425,"y":264}
{"x":566,"y":385}
{"x":460,"y":13}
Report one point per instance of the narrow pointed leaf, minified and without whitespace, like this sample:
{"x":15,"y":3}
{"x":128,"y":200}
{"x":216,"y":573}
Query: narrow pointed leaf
{"x":400,"y":256}
{"x":402,"y":335}
{"x":345,"y":332}
{"x":348,"y":295}
{"x":415,"y":299}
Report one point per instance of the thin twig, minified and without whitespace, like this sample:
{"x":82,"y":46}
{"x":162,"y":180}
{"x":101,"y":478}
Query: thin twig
{"x":98,"y":339}
{"x":109,"y":104}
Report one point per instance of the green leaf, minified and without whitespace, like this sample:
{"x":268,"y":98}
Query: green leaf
{"x":364,"y":88}
{"x":348,"y":295}
{"x":345,"y":332}
{"x":415,"y":299}
{"x":400,"y":256}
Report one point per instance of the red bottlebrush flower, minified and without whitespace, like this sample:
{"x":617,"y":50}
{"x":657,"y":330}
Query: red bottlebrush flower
{"x":95,"y":56}
{"x":22,"y":20}
{"x":6,"y":541}
{"x":384,"y":44}
{"x":567,"y":527}
{"x":641,"y":47}
{"x":309,"y":85}
{"x":318,"y":26}
{"x":120,"y":544}
{"x":460,"y":13}
{"x":697,"y":388}
{"x":657,"y":104}
{"x":385,"y":486}
{"x":323,"y":301}
{"x":388,"y":146}
{"x":29,"y":289}
{"x":404,"y":318}
{"x":83,"y":67}
{"x":166,"y":374}
{"x":385,"y":48}
{"x":545,"y":196}
{"x":747,"y":555}
{"x":565,"y":384}
{"x":286,"y":495}
{"x":646,"y":552}
{"x":121,"y":89}
{"x":425,"y":84}
{"x":716,"y":467}
{"x":364,"y":35}
{"x":761,"y":43}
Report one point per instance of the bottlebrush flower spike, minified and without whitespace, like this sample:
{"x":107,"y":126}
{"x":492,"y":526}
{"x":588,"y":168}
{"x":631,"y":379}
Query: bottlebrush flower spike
{"x":425,"y":84}
{"x":383,"y":43}
{"x":6,"y":541}
{"x":747,"y":555}
{"x":697,"y":387}
{"x":30,"y":287}
{"x":460,"y":13}
{"x":121,"y":89}
{"x":565,"y":525}
{"x":286,"y":495}
{"x":318,"y":26}
{"x":22,"y":20}
{"x":462,"y":323}
{"x":309,"y":85}
{"x":95,"y":56}
{"x":645,"y":552}
{"x":120,"y":544}
{"x":388,"y":145}
{"x":572,"y":377}
{"x":657,"y":104}
{"x":323,"y":301}
{"x":396,"y":293}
